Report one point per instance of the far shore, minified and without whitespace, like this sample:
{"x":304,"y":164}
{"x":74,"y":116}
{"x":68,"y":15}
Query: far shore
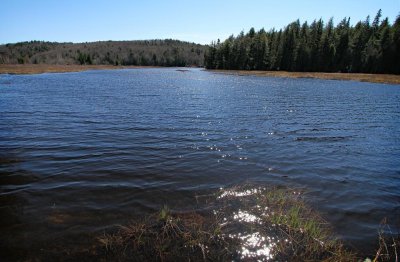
{"x":373,"y":78}
{"x":23,"y":69}
{"x":45,"y":68}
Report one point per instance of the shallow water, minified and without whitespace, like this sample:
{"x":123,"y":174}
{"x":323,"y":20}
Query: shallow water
{"x":83,"y":152}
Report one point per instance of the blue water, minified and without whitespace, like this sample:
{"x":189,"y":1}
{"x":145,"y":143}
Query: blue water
{"x":82,"y":152}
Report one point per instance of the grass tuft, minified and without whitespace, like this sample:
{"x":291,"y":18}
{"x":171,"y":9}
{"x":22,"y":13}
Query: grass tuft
{"x":167,"y":237}
{"x":245,"y":224}
{"x":389,"y":244}
{"x":164,"y":214}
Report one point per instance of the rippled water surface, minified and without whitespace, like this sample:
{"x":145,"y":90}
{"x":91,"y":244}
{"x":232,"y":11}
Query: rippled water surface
{"x":83,"y":152}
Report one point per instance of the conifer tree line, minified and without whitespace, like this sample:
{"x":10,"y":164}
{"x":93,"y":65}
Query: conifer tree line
{"x":366,"y":47}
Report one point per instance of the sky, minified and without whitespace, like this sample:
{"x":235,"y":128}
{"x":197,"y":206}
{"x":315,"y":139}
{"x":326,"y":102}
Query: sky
{"x":194,"y":21}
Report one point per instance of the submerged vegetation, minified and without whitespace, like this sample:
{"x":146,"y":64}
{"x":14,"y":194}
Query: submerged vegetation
{"x":243,"y":223}
{"x":317,"y":47}
{"x":389,"y":244}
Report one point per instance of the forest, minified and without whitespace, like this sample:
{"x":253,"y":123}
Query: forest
{"x":366,"y":47}
{"x":142,"y":53}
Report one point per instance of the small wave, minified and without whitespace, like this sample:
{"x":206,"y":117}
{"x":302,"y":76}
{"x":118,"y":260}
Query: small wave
{"x":322,"y":139}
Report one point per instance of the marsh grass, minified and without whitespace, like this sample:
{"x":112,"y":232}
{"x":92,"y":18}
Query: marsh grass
{"x":294,"y":231}
{"x":389,"y":244}
{"x":361,"y":77}
{"x":53,"y":68}
{"x":299,"y":233}
{"x":308,"y":237}
{"x":168,"y":237}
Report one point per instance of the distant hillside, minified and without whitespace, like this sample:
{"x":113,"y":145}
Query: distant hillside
{"x":146,"y":53}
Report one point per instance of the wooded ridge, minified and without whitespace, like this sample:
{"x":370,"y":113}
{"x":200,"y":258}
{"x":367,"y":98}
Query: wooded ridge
{"x":366,"y":47}
{"x":141,"y":53}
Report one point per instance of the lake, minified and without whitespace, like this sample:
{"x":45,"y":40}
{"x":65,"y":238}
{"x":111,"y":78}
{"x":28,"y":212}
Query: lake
{"x":83,"y":152}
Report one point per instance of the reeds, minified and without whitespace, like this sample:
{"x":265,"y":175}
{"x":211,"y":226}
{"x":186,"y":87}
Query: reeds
{"x":290,"y":231}
{"x":167,"y":237}
{"x":389,"y":244}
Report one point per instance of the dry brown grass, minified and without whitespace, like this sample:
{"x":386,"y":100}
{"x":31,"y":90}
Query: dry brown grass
{"x":43,"y":68}
{"x":168,"y":237}
{"x":299,"y":233}
{"x":373,"y":78}
{"x":293,"y":230}
{"x":389,"y":244}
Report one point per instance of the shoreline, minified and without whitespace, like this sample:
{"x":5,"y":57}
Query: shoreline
{"x":22,"y":69}
{"x":361,"y":77}
{"x":29,"y":69}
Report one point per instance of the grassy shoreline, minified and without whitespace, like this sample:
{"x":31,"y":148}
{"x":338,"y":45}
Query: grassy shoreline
{"x":44,"y":68}
{"x":26,"y":69}
{"x":372,"y":78}
{"x":244,"y":223}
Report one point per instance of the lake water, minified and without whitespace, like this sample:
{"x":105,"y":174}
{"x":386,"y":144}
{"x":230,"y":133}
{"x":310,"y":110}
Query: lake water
{"x":83,"y":152}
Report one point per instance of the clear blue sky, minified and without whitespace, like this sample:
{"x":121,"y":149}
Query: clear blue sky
{"x":194,"y":21}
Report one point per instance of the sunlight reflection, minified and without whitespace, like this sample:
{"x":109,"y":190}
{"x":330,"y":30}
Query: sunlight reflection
{"x":247,"y":226}
{"x":234,"y":193}
{"x":243,"y":216}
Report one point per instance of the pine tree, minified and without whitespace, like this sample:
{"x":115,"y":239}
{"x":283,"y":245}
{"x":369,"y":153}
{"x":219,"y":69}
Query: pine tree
{"x":342,"y":52}
{"x":395,"y":47}
{"x":365,"y":47}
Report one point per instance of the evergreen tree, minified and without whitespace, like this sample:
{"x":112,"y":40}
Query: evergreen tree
{"x":395,"y":47}
{"x":365,"y":47}
{"x":341,"y":58}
